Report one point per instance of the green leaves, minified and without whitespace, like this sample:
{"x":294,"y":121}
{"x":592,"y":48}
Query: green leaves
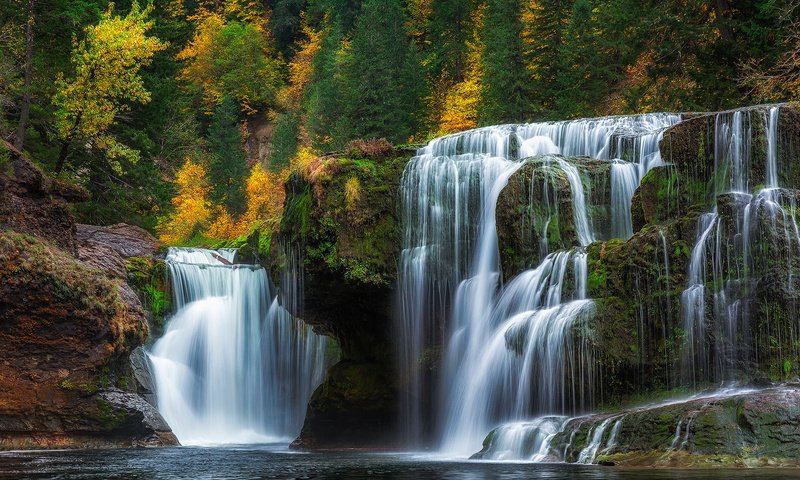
{"x":106,"y":80}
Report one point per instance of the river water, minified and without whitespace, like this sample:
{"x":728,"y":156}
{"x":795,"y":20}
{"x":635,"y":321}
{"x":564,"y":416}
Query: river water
{"x":268,"y":462}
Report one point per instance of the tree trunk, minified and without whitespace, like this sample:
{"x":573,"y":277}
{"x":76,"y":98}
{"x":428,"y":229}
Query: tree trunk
{"x":721,"y":9}
{"x":25,"y":108}
{"x":62,"y":156}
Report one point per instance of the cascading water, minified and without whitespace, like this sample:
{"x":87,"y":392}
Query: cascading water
{"x":233,"y":366}
{"x":508,"y":352}
{"x":716,"y":304}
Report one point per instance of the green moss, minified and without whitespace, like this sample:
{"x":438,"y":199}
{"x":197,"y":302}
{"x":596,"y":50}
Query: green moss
{"x":109,"y":417}
{"x":345,"y":217}
{"x":148,"y":277}
{"x":5,"y":157}
{"x":29,"y":260}
{"x":597,"y":277}
{"x":66,"y":385}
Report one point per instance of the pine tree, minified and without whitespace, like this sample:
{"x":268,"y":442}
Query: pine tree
{"x":450,"y":30}
{"x":580,"y":82}
{"x":228,"y":166}
{"x":323,"y":101}
{"x":381,"y":82}
{"x":284,"y":23}
{"x":506,"y":95}
{"x":543,"y":27}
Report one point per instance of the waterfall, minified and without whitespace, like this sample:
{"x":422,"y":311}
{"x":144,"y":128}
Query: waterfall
{"x":729,"y":248}
{"x":630,"y":141}
{"x":508,"y":352}
{"x":232,"y":366}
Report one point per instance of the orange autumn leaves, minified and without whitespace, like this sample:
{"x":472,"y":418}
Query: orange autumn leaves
{"x":195,"y":215}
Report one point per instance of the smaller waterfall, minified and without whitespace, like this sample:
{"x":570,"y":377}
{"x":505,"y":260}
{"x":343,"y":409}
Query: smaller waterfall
{"x":734,"y":241}
{"x":523,"y":440}
{"x":771,"y":121}
{"x":524,"y":363}
{"x":589,"y":453}
{"x":233,"y":366}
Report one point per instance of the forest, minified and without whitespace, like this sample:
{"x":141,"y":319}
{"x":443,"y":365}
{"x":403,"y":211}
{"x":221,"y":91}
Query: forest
{"x":186,"y":116}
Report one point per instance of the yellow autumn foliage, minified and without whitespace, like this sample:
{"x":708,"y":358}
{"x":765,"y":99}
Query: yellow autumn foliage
{"x":192,"y":208}
{"x":265,"y":196}
{"x":230,"y":58}
{"x":352,"y":193}
{"x":107,"y":63}
{"x":302,"y":66}
{"x":459,"y":109}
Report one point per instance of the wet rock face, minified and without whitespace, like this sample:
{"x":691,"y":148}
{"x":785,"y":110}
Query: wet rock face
{"x":535,"y":212}
{"x":712,"y":429}
{"x":355,"y":406}
{"x":747,"y":429}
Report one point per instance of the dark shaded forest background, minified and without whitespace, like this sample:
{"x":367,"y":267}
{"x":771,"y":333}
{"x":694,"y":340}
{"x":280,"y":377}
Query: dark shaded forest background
{"x":186,"y":117}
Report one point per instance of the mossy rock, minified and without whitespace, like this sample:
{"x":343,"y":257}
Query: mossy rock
{"x":148,"y":277}
{"x":535,"y":213}
{"x":356,"y":404}
{"x":68,"y":330}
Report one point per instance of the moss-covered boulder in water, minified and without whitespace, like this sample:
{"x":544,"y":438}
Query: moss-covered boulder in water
{"x":343,"y":217}
{"x":747,"y":428}
{"x":636,"y":332}
{"x":356,"y":405}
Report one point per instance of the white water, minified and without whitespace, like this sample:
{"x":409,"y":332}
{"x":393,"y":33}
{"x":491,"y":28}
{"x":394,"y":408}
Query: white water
{"x":553,"y":438}
{"x":232,"y":366}
{"x":525,"y":440}
{"x":509,"y":352}
{"x":716,"y":304}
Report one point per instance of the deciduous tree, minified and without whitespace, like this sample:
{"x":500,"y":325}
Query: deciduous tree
{"x":106,"y":80}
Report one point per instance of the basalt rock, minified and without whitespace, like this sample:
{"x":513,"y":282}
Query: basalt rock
{"x":535,"y":212}
{"x":341,"y":226}
{"x":355,"y":406}
{"x":756,"y":428}
{"x":67,"y":330}
{"x":712,"y":429}
{"x":68,"y":321}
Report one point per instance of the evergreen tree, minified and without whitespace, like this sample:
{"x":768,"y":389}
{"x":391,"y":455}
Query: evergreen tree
{"x":450,"y":29}
{"x":506,"y":95}
{"x":284,"y":23}
{"x":381,"y":82}
{"x":323,"y":101}
{"x":542,"y":38}
{"x":581,"y":80}
{"x":227,"y":166}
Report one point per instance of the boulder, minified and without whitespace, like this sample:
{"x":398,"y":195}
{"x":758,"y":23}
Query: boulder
{"x":340,"y":236}
{"x":712,"y":429}
{"x":126,"y":240}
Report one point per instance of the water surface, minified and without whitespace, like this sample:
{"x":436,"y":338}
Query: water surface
{"x":268,"y":462}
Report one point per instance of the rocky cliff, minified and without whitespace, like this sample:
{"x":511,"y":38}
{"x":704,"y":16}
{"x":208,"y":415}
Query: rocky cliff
{"x":69,"y":322}
{"x":340,"y":234}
